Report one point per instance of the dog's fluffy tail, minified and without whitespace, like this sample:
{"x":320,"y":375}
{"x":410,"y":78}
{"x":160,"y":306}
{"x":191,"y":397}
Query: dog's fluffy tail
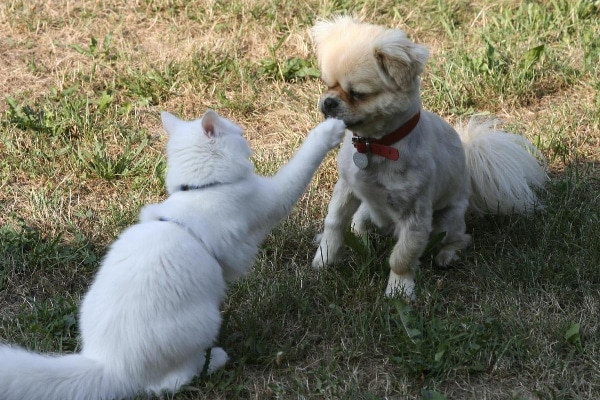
{"x":505,"y":169}
{"x":31,"y":376}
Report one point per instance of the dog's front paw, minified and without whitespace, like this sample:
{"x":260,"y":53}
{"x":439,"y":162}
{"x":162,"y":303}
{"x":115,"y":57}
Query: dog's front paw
{"x":328,"y":251}
{"x":324,"y":256}
{"x":320,"y":260}
{"x":401,"y":285}
{"x":331,"y":132}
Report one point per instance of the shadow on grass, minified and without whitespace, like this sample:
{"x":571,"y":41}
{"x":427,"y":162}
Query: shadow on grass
{"x":508,"y":305}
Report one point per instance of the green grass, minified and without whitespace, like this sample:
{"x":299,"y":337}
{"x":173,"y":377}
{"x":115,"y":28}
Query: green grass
{"x":81,"y":150}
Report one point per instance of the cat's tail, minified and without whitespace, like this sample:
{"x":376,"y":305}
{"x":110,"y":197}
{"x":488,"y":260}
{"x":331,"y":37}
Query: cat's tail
{"x":505,"y":169}
{"x":31,"y":376}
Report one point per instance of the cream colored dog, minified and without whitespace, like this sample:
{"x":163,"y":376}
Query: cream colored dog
{"x":403,"y":168}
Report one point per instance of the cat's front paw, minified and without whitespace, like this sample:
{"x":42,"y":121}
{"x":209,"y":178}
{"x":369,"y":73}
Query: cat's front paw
{"x":218,"y":358}
{"x":331,"y":131}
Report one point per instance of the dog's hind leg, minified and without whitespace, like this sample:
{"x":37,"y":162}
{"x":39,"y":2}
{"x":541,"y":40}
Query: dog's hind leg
{"x":412,"y":236}
{"x":361,"y":220}
{"x":451,"y":221}
{"x":342,"y":206}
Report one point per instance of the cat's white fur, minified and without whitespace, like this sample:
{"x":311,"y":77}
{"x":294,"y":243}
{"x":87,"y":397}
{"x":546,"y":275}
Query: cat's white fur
{"x":153,"y":308}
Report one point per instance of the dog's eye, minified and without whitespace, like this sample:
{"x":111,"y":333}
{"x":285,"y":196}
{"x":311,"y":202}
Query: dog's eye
{"x":357,"y":95}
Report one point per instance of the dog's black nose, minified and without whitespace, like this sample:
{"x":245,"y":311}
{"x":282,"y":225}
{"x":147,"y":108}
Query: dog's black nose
{"x":329,"y":105}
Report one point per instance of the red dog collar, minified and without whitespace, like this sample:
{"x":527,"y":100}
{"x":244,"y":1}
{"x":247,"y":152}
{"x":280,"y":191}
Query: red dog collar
{"x":381,"y":147}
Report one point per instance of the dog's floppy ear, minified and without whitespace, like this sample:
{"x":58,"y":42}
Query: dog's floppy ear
{"x":398,"y":58}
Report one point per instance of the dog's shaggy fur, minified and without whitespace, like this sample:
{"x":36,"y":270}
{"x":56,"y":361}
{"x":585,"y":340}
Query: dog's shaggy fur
{"x":373,"y":77}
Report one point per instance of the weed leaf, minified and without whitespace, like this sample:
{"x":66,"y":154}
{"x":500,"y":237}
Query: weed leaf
{"x":572,"y":336}
{"x":533,"y":55}
{"x":432,"y":395}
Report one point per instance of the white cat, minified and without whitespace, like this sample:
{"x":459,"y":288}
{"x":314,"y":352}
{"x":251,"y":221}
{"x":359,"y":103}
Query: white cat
{"x":153,"y":309}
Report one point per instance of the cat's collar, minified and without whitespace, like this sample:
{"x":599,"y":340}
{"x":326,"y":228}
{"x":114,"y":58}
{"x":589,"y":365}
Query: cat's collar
{"x":184,"y":227}
{"x":186,"y":188}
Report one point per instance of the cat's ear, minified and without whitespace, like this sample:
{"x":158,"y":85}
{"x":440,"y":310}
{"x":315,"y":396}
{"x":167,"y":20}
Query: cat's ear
{"x":170,"y":122}
{"x":210,"y":121}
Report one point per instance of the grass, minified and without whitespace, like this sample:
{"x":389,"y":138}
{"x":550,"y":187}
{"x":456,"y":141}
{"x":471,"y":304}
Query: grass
{"x":81,"y":151}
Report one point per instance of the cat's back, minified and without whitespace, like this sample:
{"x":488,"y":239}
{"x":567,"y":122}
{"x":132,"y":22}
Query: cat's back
{"x":156,"y":281}
{"x":159,"y":253}
{"x":154,"y":271}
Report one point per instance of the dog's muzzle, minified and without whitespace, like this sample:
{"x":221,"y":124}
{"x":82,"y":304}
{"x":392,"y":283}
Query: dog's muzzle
{"x":330,"y":106}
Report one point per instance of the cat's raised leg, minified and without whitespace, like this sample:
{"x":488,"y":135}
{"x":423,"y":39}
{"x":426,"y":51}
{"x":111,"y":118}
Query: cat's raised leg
{"x":293,"y":178}
{"x":342,"y":206}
